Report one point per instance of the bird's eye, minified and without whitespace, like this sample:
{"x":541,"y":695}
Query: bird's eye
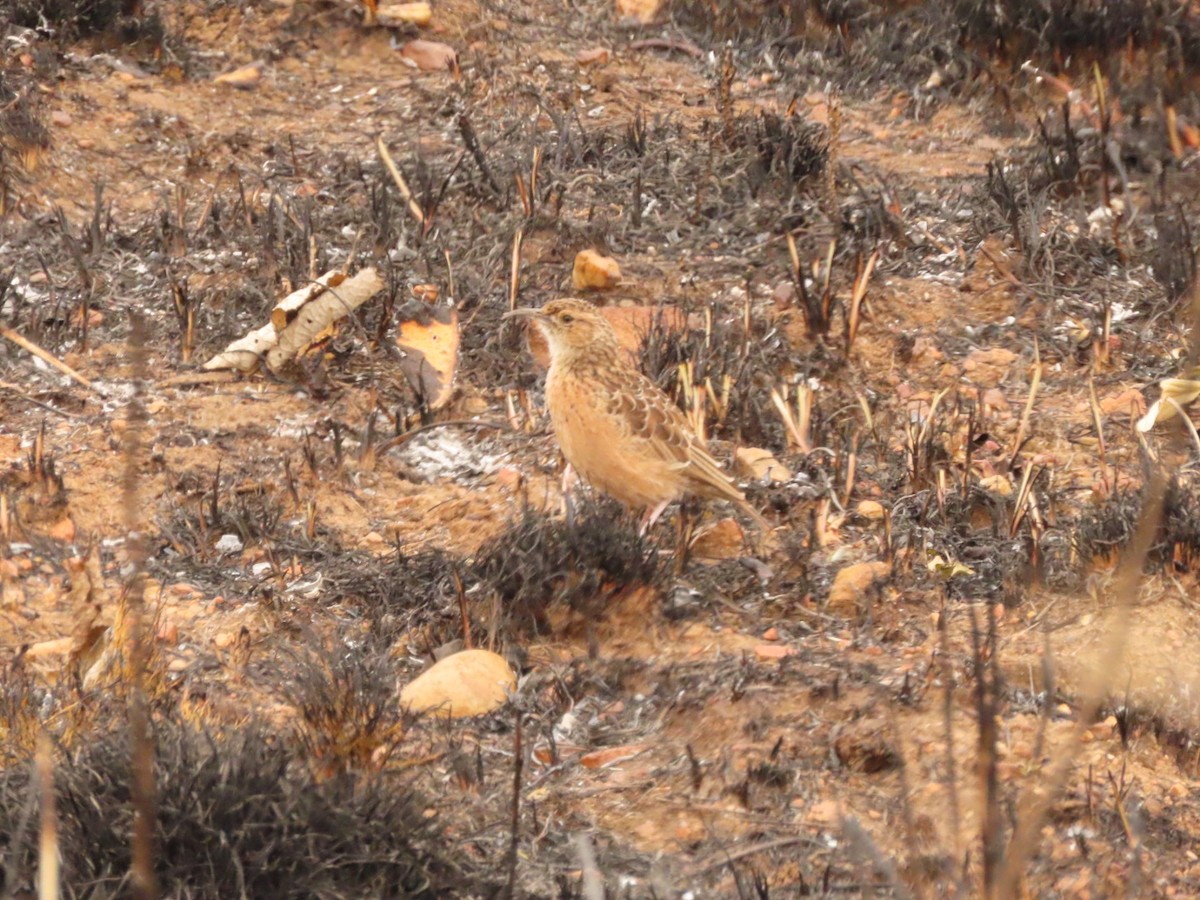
{"x":566,"y":318}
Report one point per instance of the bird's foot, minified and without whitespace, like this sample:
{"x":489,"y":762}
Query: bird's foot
{"x":651,"y":517}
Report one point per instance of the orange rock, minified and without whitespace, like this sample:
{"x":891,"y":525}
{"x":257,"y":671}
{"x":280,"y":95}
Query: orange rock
{"x":1123,"y":403}
{"x":772,"y":651}
{"x":63,"y":530}
{"x":463,"y":684}
{"x":394,"y":14}
{"x":509,"y":477}
{"x":593,"y":272}
{"x":760,"y":465}
{"x":988,"y":366}
{"x":852,"y":583}
{"x":870,"y":509}
{"x":642,"y":10}
{"x":430,"y":56}
{"x":595,"y":55}
{"x":722,"y":540}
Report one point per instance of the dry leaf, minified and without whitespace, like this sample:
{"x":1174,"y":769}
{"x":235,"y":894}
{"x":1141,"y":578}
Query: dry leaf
{"x":947,"y":568}
{"x":431,"y":354}
{"x":600,"y":759}
{"x":1176,"y":394}
{"x":594,"y":272}
{"x":430,"y":56}
{"x":244,"y":78}
{"x":464,"y":684}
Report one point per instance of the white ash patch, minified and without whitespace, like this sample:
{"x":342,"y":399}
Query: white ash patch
{"x":441,"y":455}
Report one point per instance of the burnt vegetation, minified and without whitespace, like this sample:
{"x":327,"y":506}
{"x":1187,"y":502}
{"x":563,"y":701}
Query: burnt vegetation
{"x":238,"y":813}
{"x":780,"y":245}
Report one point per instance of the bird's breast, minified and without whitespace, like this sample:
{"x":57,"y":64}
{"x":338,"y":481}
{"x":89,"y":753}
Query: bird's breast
{"x":600,"y":445}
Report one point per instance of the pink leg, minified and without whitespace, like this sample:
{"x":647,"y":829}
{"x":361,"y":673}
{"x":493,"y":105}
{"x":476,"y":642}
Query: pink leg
{"x":569,"y":480}
{"x":651,"y":517}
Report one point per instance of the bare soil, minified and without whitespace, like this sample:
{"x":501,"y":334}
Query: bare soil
{"x":732,"y":719}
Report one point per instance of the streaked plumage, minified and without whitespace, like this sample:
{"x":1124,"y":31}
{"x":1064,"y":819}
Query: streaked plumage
{"x":616,"y":428}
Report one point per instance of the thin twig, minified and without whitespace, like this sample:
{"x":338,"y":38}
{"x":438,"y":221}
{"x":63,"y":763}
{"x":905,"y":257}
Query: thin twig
{"x":13,"y":389}
{"x":1023,"y":425}
{"x":514,"y":281}
{"x":401,"y":184}
{"x":45,"y":356}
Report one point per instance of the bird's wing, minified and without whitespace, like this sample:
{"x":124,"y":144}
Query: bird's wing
{"x":662,"y":428}
{"x":651,"y":418}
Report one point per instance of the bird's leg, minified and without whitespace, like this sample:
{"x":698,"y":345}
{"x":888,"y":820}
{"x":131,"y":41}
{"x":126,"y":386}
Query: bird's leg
{"x":569,"y":479}
{"x":651,"y":516}
{"x":683,"y":537}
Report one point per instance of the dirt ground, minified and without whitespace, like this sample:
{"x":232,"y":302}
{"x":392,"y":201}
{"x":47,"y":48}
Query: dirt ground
{"x":963,"y":661}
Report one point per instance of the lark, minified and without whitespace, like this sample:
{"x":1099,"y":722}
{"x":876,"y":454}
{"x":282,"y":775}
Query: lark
{"x":616,"y":428}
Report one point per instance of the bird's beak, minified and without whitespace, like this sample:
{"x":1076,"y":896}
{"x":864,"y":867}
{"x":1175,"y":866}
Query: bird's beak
{"x":523,"y":312}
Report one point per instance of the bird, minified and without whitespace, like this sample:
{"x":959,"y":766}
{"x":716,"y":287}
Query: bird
{"x":617,"y":429}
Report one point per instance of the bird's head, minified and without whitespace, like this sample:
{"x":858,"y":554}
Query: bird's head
{"x":570,"y":326}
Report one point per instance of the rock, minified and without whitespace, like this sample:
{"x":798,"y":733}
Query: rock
{"x":594,"y":272}
{"x":872,"y":510}
{"x":760,"y":465}
{"x":391,"y":15}
{"x":593,"y":56}
{"x":988,"y":367}
{"x":784,"y":295}
{"x":465,"y":684}
{"x":772,"y":651}
{"x":642,"y":10}
{"x":997,"y":484}
{"x":1124,"y":403}
{"x":430,"y":56}
{"x":722,"y":540}
{"x":244,"y":78}
{"x":824,"y":813}
{"x":509,"y":477}
{"x":993,"y":400}
{"x":853,"y":582}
